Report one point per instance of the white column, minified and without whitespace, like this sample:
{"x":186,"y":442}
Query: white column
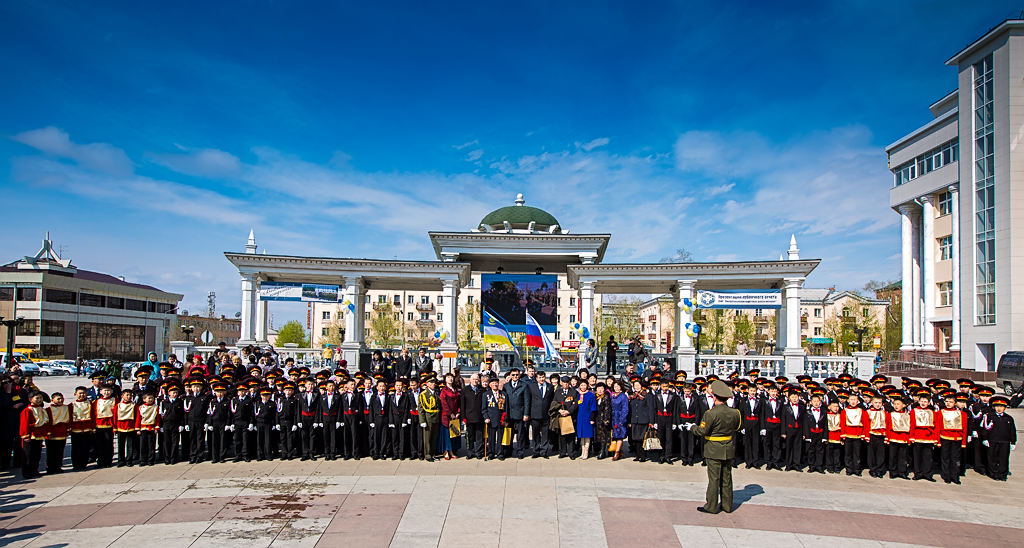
{"x":686,"y":354}
{"x":451,"y":314}
{"x":906,"y":291}
{"x":353,"y":344}
{"x":928,"y":273}
{"x":780,"y":325}
{"x":248,"y":334}
{"x":915,"y":284}
{"x":793,"y":352}
{"x":262,"y":317}
{"x":587,"y":306}
{"x":361,"y":314}
{"x":954,"y":342}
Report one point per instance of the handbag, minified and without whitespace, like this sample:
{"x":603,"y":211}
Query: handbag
{"x":454,"y":428}
{"x":565,"y":426}
{"x":651,"y":441}
{"x":506,"y":436}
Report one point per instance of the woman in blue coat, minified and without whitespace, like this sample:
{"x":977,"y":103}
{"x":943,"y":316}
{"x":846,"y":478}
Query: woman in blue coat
{"x":585,"y":418}
{"x":620,"y":418}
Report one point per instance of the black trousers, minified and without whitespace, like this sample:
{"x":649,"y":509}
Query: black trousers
{"x":751,"y":442}
{"x":306,"y":433}
{"x":55,"y":455}
{"x":416,"y":438}
{"x":218,"y":442}
{"x":493,"y":440}
{"x":81,"y":444}
{"x":331,"y":433}
{"x":170,"y":441}
{"x":287,"y":439}
{"x":399,"y":433}
{"x":998,"y":459}
{"x":475,"y":439}
{"x":103,"y":446}
{"x":876,"y":455}
{"x":794,"y":445}
{"x":33,"y":451}
{"x":923,"y":460}
{"x":147,"y":447}
{"x":852,"y":448}
{"x":264,"y":447}
{"x":349,"y":443}
{"x":11,"y":452}
{"x":196,"y":440}
{"x":898,"y":459}
{"x":539,"y":434}
{"x":664,"y":432}
{"x":611,"y":364}
{"x":773,"y":448}
{"x":980,"y":456}
{"x":949,"y":456}
{"x":687,"y":445}
{"x":378,"y":440}
{"x":241,"y":438}
{"x":816,"y":455}
{"x":521,"y":433}
{"x":834,"y":457}
{"x":127,"y":445}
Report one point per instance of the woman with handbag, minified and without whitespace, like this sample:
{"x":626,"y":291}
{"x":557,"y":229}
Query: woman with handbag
{"x":450,"y":438}
{"x":585,"y":411}
{"x":602,"y":421}
{"x":641,"y":418}
{"x":620,"y":417}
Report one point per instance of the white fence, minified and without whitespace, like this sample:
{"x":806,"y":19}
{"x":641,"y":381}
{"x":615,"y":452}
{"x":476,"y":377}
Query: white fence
{"x":818,"y":367}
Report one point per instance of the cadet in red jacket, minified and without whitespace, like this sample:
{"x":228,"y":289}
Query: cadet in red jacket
{"x":34,"y":422}
{"x":57,"y":433}
{"x":104,"y":409}
{"x":147,"y":423}
{"x":834,"y":451}
{"x":876,"y":434}
{"x":855,"y":425}
{"x":952,"y":437}
{"x":924,"y":434}
{"x":897,"y":436}
{"x":83,"y":428}
{"x":125,"y":415}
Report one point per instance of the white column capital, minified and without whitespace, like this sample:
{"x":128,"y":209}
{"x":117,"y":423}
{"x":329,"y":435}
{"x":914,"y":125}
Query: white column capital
{"x":927,"y":198}
{"x":906,"y":209}
{"x":793,"y":283}
{"x":685,"y":285}
{"x":954,"y":188}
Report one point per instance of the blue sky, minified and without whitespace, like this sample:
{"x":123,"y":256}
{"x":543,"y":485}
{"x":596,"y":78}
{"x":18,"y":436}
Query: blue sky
{"x":148,"y":138}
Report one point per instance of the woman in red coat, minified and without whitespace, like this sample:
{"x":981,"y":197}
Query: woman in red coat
{"x":450,"y":411}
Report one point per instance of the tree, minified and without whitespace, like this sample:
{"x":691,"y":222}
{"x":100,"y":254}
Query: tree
{"x":714,"y":329}
{"x":618,"y":316}
{"x":681,"y":256}
{"x":335,"y":331}
{"x":470,"y":337}
{"x":385,"y":330}
{"x":742,"y":328}
{"x":292,"y":332}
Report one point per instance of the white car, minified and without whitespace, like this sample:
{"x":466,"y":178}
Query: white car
{"x":52,"y":368}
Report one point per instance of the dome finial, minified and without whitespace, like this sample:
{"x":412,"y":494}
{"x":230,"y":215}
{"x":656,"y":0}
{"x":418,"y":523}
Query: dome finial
{"x":519,"y":199}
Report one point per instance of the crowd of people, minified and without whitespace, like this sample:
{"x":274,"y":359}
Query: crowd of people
{"x":176,"y":412}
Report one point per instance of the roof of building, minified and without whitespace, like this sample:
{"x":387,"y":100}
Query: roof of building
{"x":87,"y":275}
{"x":519,"y":216}
{"x":830,"y":296}
{"x":985,"y":38}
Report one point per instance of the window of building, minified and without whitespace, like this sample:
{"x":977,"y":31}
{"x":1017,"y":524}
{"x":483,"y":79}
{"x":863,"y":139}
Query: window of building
{"x":572,"y":301}
{"x":558,"y":335}
{"x":425,"y":299}
{"x":137,"y":306}
{"x":53,"y":350}
{"x":398,"y":300}
{"x":327,"y":315}
{"x":984,"y":193}
{"x":88,"y":299}
{"x":946,"y":294}
{"x":817,"y":331}
{"x":558,"y":318}
{"x":440,"y":299}
{"x":572,"y":335}
{"x":440,"y":317}
{"x":945,"y":203}
{"x":6,"y":294}
{"x":53,"y":328}
{"x":367,"y":315}
{"x":572,"y":318}
{"x":411,"y":299}
{"x":758,"y":312}
{"x":398,"y":316}
{"x":866,"y":312}
{"x":167,"y":308}
{"x":935,"y":158}
{"x":382,"y":299}
{"x":846,"y":312}
{"x":817,"y":312}
{"x":323,"y":331}
{"x":471,"y":282}
{"x":368,"y":301}
{"x":113,"y":341}
{"x":115,"y":302}
{"x":60,"y":297}
{"x":424,"y":315}
{"x":945,"y":248}
{"x":28,"y":294}
{"x":469,"y":299}
{"x":411,"y":317}
{"x":28,"y":328}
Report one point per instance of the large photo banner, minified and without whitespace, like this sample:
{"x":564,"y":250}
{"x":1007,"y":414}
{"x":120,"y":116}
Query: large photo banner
{"x":740,"y":298}
{"x":299,"y":292}
{"x":509,"y":297}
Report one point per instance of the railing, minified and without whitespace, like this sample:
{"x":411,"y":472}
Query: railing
{"x":819,"y":367}
{"x":913,"y":359}
{"x":723,"y":365}
{"x":425,"y":307}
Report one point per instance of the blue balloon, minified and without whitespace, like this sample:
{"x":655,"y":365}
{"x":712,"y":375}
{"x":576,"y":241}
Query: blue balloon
{"x":696,"y":328}
{"x":437,"y":334}
{"x":586,"y":332}
{"x":351,"y":307}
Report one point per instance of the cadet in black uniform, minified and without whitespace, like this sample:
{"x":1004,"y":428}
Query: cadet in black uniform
{"x":287,"y":419}
{"x":172,"y":423}
{"x":264,"y":415}
{"x":999,"y":434}
{"x":218,"y":421}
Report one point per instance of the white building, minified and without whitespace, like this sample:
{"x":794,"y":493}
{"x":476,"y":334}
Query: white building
{"x":962,"y":291}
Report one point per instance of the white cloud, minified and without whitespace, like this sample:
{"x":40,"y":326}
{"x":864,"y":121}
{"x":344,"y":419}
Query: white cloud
{"x":464,"y":145}
{"x":720,"y":189}
{"x":95,"y":156}
{"x":206,"y":162}
{"x":599,"y":142}
{"x":474,"y":155}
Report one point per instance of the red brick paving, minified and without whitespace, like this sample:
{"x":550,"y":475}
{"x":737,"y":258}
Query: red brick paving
{"x":366,"y":521}
{"x":124,"y":513}
{"x":53,"y":518}
{"x":182,"y":509}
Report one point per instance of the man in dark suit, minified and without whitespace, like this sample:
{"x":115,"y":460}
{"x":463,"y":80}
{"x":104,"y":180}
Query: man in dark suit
{"x":308,"y":418}
{"x":471,"y":404}
{"x":492,"y":408}
{"x":792,"y":434}
{"x":664,"y":419}
{"x":422,"y":363}
{"x":688,"y":411}
{"x":749,"y":406}
{"x":541,"y":395}
{"x":330,"y":420}
{"x":518,"y":397}
{"x":403,"y":365}
{"x":771,"y":428}
{"x":399,"y":420}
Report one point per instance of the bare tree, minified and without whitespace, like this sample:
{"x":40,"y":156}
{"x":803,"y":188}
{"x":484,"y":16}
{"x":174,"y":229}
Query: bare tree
{"x":681,"y":256}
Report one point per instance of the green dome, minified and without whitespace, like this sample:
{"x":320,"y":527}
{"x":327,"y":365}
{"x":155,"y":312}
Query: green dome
{"x":519,"y":215}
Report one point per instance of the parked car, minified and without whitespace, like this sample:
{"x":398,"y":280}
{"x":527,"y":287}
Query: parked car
{"x":1010,"y":372}
{"x":54,"y":368}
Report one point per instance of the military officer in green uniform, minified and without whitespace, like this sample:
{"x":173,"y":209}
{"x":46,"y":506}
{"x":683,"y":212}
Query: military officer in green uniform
{"x":717,"y":428}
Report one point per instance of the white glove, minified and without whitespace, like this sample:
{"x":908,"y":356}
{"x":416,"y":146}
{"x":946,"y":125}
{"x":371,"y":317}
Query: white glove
{"x":181,"y":429}
{"x":974,"y":434}
{"x":209,"y":428}
{"x":654,"y":426}
{"x":318,"y":425}
{"x":337,"y":425}
{"x":763,"y":431}
{"x":294,"y":428}
{"x":372,"y":425}
{"x":423,"y":425}
{"x":675,"y":426}
{"x":277,"y":427}
{"x":391,"y":426}
{"x":689,"y":426}
{"x":408,"y":421}
{"x":1013,"y":446}
{"x":985,"y":443}
{"x":743,"y":430}
{"x":252,"y":427}
{"x":229,"y":428}
{"x":186,"y":428}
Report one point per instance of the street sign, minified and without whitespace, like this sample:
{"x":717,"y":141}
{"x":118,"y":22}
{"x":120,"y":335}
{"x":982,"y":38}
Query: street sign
{"x":206,"y":337}
{"x":570,"y":344}
{"x":877,"y":341}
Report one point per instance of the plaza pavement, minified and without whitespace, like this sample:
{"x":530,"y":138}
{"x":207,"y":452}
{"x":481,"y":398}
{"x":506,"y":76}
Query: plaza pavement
{"x":530,"y":503}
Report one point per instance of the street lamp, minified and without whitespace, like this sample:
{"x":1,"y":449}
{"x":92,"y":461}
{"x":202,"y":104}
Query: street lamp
{"x":188,"y":330}
{"x":11,"y":325}
{"x":860,"y":331}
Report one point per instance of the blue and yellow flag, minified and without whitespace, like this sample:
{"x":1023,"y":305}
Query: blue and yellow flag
{"x":495,"y":331}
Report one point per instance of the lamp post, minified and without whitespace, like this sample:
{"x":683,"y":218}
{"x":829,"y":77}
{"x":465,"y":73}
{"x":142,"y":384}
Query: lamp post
{"x":860,"y":331}
{"x":188,"y":330}
{"x":11,"y":325}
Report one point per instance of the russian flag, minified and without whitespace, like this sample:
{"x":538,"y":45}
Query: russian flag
{"x":535,"y":337}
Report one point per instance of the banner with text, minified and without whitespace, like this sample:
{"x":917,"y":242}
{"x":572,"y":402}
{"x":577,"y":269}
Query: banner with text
{"x":283,"y":291}
{"x":740,"y":298}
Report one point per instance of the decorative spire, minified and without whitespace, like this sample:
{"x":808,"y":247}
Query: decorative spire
{"x":250,"y":246}
{"x":794,"y":251}
{"x":519,"y":200}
